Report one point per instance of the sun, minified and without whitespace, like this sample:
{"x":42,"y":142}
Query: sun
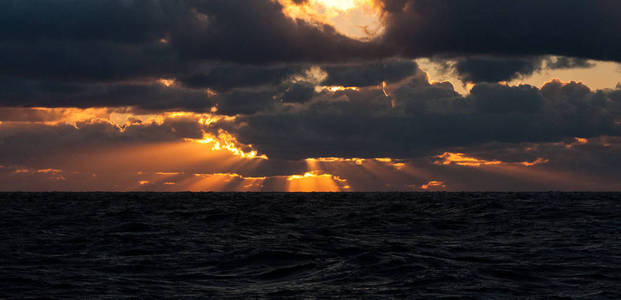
{"x":337,"y":4}
{"x":357,"y":19}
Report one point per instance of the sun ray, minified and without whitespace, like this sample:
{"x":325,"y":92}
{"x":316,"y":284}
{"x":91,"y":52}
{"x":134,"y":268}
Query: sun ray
{"x":316,"y":182}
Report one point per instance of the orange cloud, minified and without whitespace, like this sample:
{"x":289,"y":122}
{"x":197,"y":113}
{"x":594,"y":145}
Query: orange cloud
{"x":539,"y":161}
{"x":52,"y":173}
{"x":49,"y":171}
{"x":461,"y":159}
{"x":357,"y":161}
{"x":433,"y":184}
{"x":227,"y":142}
{"x":581,"y":140}
{"x":168,"y":173}
{"x":577,"y":141}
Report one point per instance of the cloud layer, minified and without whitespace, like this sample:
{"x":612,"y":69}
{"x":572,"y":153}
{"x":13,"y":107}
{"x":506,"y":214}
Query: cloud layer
{"x":242,"y":76}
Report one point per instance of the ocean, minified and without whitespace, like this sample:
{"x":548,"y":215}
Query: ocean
{"x":310,"y":246}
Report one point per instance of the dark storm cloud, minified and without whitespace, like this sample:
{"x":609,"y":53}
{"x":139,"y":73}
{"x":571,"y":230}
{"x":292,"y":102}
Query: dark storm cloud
{"x":568,"y":63}
{"x":495,"y":69}
{"x":87,"y":61}
{"x":298,"y":93}
{"x":110,"y":20}
{"x":256,"y":31}
{"x":155,"y":96}
{"x":367,"y":74}
{"x":241,"y":89}
{"x":225,"y":45}
{"x":227,"y":77}
{"x":246,"y":57}
{"x":117,"y":40}
{"x":573,"y":28}
{"x":245,"y":102}
{"x":428,"y":118}
{"x":492,"y":98}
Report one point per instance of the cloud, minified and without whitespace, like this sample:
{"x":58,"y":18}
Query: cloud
{"x":148,"y":95}
{"x":105,"y":53}
{"x":227,"y":77}
{"x":368,"y":74}
{"x":415,"y":118}
{"x":23,"y":141}
{"x":495,"y":69}
{"x":295,"y":89}
{"x":500,"y":99}
{"x":515,"y":28}
{"x":476,"y":69}
{"x":428,"y":117}
{"x":562,"y":62}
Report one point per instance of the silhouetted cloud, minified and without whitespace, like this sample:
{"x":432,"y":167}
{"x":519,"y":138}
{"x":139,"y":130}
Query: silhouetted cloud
{"x":492,"y":69}
{"x":428,"y":117}
{"x":223,"y":45}
{"x":574,"y":28}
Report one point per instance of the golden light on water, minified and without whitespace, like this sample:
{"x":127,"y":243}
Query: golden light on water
{"x":358,"y":19}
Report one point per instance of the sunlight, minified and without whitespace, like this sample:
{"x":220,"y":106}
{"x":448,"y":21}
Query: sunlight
{"x":337,"y":4}
{"x":226,"y":142}
{"x":335,"y":89}
{"x":167,"y":82}
{"x":223,"y":182}
{"x":358,"y":19}
{"x":315,"y":181}
{"x":461,"y":159}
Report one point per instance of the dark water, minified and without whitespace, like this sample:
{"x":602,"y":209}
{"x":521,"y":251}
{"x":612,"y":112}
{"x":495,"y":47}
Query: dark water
{"x":187,"y":245}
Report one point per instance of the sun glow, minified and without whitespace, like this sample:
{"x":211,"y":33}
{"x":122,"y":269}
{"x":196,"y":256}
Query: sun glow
{"x":315,"y":181}
{"x":320,"y":162}
{"x":359,"y":19}
{"x":225,"y":182}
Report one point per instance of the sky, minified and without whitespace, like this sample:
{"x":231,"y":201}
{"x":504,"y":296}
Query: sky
{"x":310,"y":95}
